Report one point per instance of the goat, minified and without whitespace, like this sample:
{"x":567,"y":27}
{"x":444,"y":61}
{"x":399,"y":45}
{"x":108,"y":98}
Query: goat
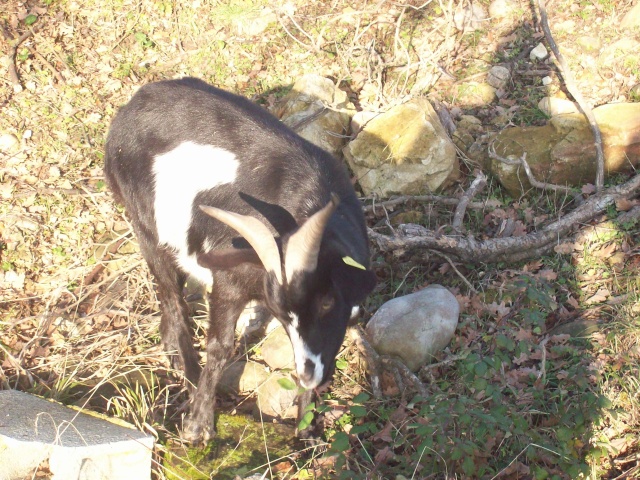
{"x":194,"y":166}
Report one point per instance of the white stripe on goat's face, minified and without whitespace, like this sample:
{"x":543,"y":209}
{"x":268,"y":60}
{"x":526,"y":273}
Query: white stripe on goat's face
{"x":180,"y":175}
{"x":309,"y":365}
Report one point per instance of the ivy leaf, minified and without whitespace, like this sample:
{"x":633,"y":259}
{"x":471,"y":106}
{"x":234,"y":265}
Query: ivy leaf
{"x":287,"y":383}
{"x":30,"y":19}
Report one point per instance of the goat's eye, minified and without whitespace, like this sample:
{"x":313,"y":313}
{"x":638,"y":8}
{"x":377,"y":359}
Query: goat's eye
{"x":327,"y":304}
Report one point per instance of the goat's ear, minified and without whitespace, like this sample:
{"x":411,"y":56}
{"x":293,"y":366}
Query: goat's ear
{"x":354,"y":281}
{"x":228,"y":258}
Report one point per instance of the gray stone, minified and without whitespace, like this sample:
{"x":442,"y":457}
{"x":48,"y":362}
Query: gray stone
{"x":498,"y":76}
{"x":539,"y":52}
{"x":557,"y":106}
{"x":319,"y":112}
{"x":75,"y":445}
{"x":276,"y":401}
{"x":415,"y":327}
{"x":277,"y":351}
{"x":405,"y":150}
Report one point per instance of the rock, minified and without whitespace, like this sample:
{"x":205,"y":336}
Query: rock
{"x":631,"y":18}
{"x":415,"y":327}
{"x":618,"y":51}
{"x":277,"y":351}
{"x":306,"y":110}
{"x":546,"y":81}
{"x":501,"y":8}
{"x":360,"y":119}
{"x":557,"y":106}
{"x":538,"y":53}
{"x":563,"y":153}
{"x":469,"y":18}
{"x":276,"y":401}
{"x":474,"y":94}
{"x":589,"y":44}
{"x":498,"y":76}
{"x":242,"y":377}
{"x":253,"y":22}
{"x":468,"y":128}
{"x":405,"y":150}
{"x":9,"y":143}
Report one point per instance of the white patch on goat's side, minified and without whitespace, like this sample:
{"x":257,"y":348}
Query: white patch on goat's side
{"x":302,"y":353}
{"x":180,"y":175}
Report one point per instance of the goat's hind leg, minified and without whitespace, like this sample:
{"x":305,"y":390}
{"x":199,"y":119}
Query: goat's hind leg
{"x":175,"y":326}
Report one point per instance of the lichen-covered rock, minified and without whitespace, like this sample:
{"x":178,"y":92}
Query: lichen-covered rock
{"x":405,"y":150}
{"x":475,"y":94}
{"x":562,"y":152}
{"x":319,"y":112}
{"x":415,"y":327}
{"x":276,"y":401}
{"x":242,"y":377}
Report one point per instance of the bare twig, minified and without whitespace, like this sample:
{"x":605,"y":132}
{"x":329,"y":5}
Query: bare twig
{"x":423,"y":198}
{"x":455,"y":269}
{"x":577,"y":95}
{"x":476,"y":187}
{"x":372,"y":358}
{"x":523,"y":162}
{"x":47,"y":64}
{"x":13,"y":71}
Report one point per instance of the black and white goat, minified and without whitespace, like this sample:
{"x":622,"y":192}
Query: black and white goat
{"x":194,"y":167}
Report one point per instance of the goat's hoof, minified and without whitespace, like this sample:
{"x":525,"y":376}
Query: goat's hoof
{"x":195,"y":433}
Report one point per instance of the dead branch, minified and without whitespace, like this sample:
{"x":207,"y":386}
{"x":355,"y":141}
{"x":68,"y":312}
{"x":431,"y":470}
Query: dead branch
{"x":13,"y":71}
{"x":46,"y":63}
{"x":424,"y":198}
{"x":476,"y":187}
{"x":576,"y":94}
{"x":405,"y":374}
{"x":417,"y":238}
{"x":372,"y":359}
{"x":522,"y":161}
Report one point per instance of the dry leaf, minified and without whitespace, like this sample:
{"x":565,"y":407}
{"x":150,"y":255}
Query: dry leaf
{"x":588,"y":189}
{"x":624,"y":205}
{"x":564,"y":248}
{"x":599,"y":297}
{"x":548,"y":275}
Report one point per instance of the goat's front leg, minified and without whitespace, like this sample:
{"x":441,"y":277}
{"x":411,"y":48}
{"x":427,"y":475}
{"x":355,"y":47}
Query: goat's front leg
{"x":223,"y":314}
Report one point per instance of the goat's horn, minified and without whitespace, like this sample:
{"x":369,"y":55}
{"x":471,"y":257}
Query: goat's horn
{"x":304,"y":245}
{"x":255,"y":232}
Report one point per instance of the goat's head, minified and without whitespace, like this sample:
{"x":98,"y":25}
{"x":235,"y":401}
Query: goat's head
{"x":311,"y":287}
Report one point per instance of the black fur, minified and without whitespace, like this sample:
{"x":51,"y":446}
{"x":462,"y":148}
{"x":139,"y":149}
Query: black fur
{"x":282,"y":180}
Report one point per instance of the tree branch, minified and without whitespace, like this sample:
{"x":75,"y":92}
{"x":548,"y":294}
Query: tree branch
{"x":576,"y":94}
{"x":476,"y":187}
{"x":469,"y":249}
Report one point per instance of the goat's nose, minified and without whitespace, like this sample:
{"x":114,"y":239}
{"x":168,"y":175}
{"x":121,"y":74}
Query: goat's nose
{"x":308,"y":374}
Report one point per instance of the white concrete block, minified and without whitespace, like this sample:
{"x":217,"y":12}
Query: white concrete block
{"x":76,"y":445}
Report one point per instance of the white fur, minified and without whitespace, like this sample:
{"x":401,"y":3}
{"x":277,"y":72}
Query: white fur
{"x":180,"y":175}
{"x":302,"y":353}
